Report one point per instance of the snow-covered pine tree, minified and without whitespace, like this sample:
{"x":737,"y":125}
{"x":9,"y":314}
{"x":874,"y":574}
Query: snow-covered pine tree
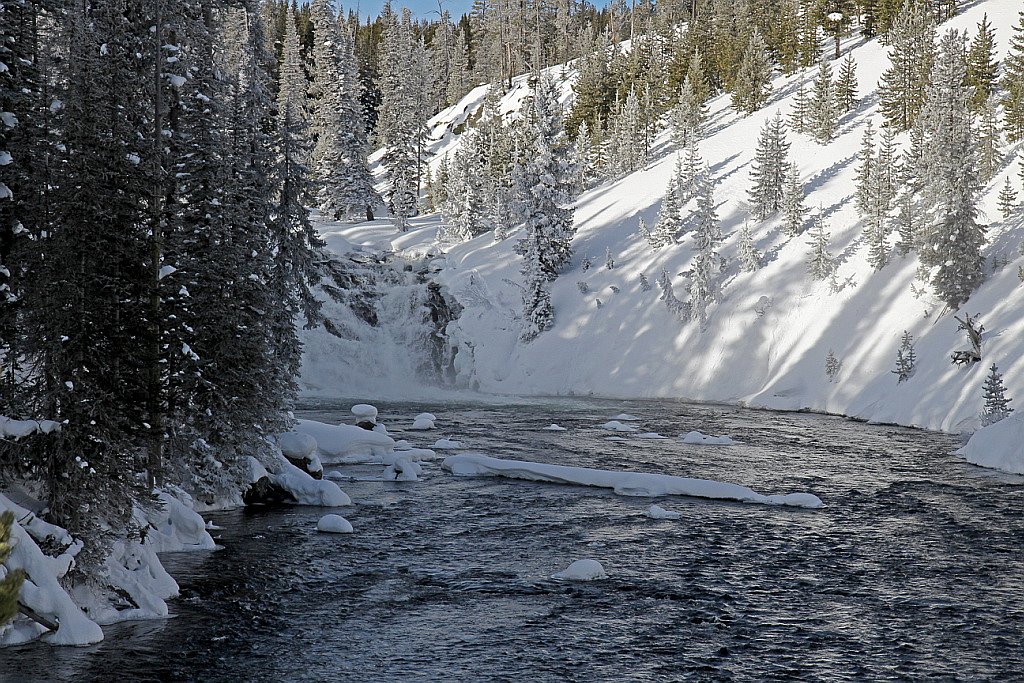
{"x":906,"y":358}
{"x":832,"y":366}
{"x":643,"y":230}
{"x":1013,"y":84}
{"x":768,"y":171}
{"x":645,"y":284}
{"x":821,"y":264}
{"x":997,"y":404}
{"x":990,"y":146}
{"x":800,"y":114}
{"x":888,"y":167}
{"x":688,"y":116}
{"x":548,"y":224}
{"x":824,"y":106}
{"x":345,"y":185}
{"x":670,"y":219}
{"x":583,"y":156}
{"x":982,"y":64}
{"x":912,"y":53}
{"x":752,"y":85}
{"x":686,"y":170}
{"x":877,"y":229}
{"x":630,"y":153}
{"x":609,"y":261}
{"x":794,"y":212}
{"x":951,"y":239}
{"x":866,"y":156}
{"x":679,"y":309}
{"x":704,"y":285}
{"x":750,"y":258}
{"x":1007,"y":198}
{"x":846,"y":85}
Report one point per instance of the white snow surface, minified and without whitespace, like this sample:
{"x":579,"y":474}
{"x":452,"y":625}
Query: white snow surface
{"x":403,"y":469}
{"x":998,"y":446}
{"x":365,"y":411}
{"x":582,"y":570}
{"x":447,"y":444}
{"x":623,"y":483}
{"x":704,"y":440}
{"x":421,"y":424}
{"x":334,"y":524}
{"x":554,"y":428}
{"x":337,"y":442}
{"x":766,"y":340}
{"x":306,"y":489}
{"x":658,"y":512}
{"x":297,"y":444}
{"x":617,"y":426}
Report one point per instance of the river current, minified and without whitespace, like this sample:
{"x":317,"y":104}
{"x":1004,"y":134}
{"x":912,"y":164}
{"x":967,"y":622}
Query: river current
{"x":913,"y":570}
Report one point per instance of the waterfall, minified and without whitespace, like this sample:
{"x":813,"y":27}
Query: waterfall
{"x":383,"y":333}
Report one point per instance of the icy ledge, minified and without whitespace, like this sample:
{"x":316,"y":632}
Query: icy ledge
{"x":623,"y":483}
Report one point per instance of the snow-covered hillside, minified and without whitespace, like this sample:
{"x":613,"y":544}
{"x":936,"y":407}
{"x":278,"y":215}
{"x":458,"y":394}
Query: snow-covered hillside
{"x":767,"y":339}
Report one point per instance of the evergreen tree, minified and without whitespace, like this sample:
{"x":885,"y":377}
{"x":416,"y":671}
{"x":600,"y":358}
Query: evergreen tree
{"x":704,"y":285}
{"x":832,"y":366}
{"x":583,"y":156}
{"x":679,"y":309}
{"x":906,"y":358}
{"x":877,"y":217}
{"x":800,"y":114}
{"x":10,"y":584}
{"x":982,"y":65}
{"x":768,"y":172}
{"x":687,"y":116}
{"x":912,"y":52}
{"x":864,"y":169}
{"x":821,"y":264}
{"x":750,"y":259}
{"x":888,"y":167}
{"x":997,"y":405}
{"x":846,"y":85}
{"x":548,"y":225}
{"x":824,"y":106}
{"x":1013,"y":84}
{"x":609,"y":261}
{"x":669,"y":223}
{"x":753,"y":86}
{"x":990,"y":152}
{"x":687,"y":169}
{"x":793,"y":210}
{"x":1007,"y":198}
{"x":952,"y":239}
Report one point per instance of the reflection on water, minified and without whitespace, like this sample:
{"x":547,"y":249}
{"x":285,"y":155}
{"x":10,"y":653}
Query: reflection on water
{"x":914,"y":569}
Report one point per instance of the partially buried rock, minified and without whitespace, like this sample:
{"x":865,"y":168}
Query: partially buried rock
{"x":366,"y":416}
{"x":300,"y":450}
{"x":334,"y":524}
{"x":266,"y":492}
{"x":658,"y":512}
{"x":582,"y":570}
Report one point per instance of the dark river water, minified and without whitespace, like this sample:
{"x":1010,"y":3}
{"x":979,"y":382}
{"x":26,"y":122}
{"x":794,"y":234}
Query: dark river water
{"x":913,"y":570}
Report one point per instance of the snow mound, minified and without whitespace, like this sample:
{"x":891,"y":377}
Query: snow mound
{"x":334,"y":524}
{"x":705,"y":440}
{"x":616,"y":426}
{"x":176,"y":526}
{"x":297,"y":445}
{"x":403,"y":469}
{"x":999,"y":446}
{"x":335,"y":442}
{"x":658,"y":512}
{"x":421,"y":424}
{"x":365,"y":411}
{"x":623,"y":483}
{"x":626,"y":417}
{"x":426,"y":416}
{"x":446,"y":444}
{"x":582,"y":570}
{"x":306,"y":489}
{"x":554,"y":428}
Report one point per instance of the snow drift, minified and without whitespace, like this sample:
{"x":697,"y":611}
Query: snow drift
{"x":999,"y":446}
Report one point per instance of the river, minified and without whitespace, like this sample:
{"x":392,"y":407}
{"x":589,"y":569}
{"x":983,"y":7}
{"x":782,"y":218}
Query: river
{"x":914,"y":569}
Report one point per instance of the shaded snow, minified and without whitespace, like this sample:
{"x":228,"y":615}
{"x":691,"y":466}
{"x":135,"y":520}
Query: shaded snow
{"x":999,"y":446}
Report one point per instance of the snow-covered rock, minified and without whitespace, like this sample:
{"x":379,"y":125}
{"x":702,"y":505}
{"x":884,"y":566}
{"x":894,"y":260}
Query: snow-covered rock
{"x":421,"y":424}
{"x":699,"y":439}
{"x":650,"y":435}
{"x":176,"y":526}
{"x":658,"y":512}
{"x":616,"y":426}
{"x":626,"y":417}
{"x":426,"y":416}
{"x":364,"y":411}
{"x":334,"y":524}
{"x":306,"y":489}
{"x":582,"y":570}
{"x":335,"y":442}
{"x":554,"y":428}
{"x":446,"y":444}
{"x":623,"y":483}
{"x":297,"y":445}
{"x":403,"y":469}
{"x":998,"y":446}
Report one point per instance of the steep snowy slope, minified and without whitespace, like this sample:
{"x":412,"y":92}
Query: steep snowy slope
{"x":768,"y":337}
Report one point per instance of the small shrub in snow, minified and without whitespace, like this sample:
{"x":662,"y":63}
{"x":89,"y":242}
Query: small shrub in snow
{"x":906,"y":358}
{"x":997,"y":405}
{"x":676,"y":307}
{"x":585,"y":263}
{"x":1020,"y":273}
{"x":645,"y":284}
{"x":609,"y":262}
{"x":583,"y":287}
{"x":599,"y":303}
{"x":832,"y":366}
{"x":1007,"y":198}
